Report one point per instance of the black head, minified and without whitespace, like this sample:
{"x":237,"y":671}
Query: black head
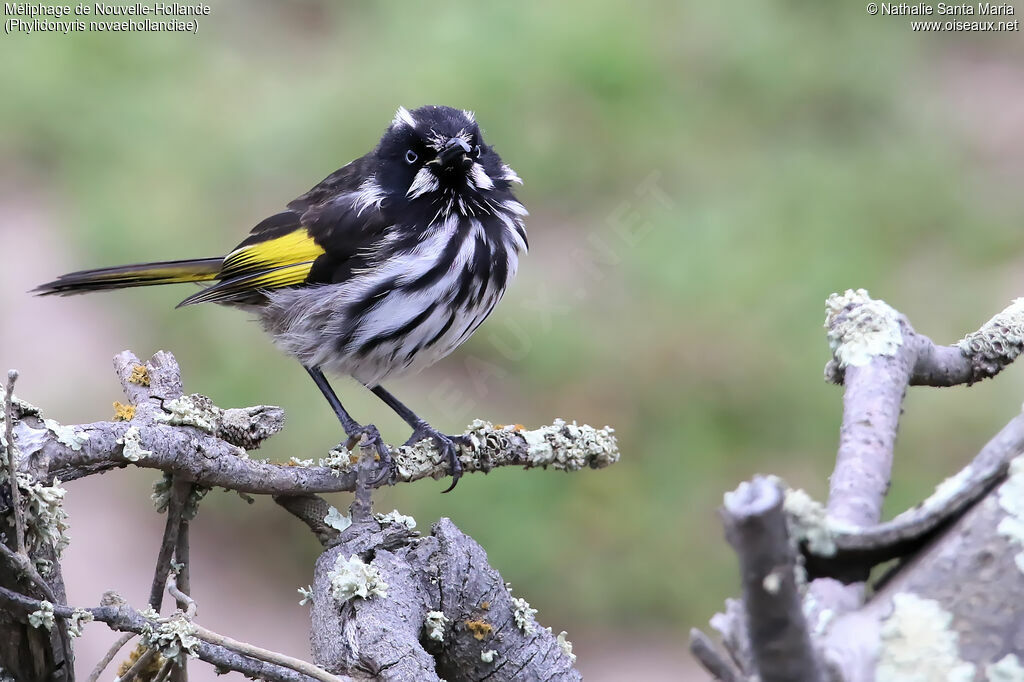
{"x":436,"y":155}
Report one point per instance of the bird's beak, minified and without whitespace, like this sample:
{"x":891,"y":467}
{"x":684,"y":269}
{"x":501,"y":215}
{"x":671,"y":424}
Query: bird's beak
{"x":455,"y":153}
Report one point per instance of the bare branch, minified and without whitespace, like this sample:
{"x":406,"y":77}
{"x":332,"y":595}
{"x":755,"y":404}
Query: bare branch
{"x":122,"y":617}
{"x":179,"y":493}
{"x":109,"y":656}
{"x":704,"y":650}
{"x":185,"y":602}
{"x":756,"y":528}
{"x":263,"y":654}
{"x":867,"y":547}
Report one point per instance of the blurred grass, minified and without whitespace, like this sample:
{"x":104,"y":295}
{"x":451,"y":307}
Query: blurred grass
{"x":802,"y":148}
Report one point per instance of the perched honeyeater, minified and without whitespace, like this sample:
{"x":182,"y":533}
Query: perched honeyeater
{"x":383,"y":268}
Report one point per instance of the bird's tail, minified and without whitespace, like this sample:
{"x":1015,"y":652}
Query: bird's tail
{"x":140,"y":275}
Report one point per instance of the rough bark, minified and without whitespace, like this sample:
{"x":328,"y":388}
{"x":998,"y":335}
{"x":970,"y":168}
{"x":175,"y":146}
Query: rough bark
{"x":946,"y":609}
{"x":198,"y":446}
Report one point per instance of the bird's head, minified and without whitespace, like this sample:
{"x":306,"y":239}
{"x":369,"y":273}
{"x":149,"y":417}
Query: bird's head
{"x":436,"y":155}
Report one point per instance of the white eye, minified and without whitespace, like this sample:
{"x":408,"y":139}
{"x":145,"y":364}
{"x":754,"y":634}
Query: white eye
{"x":410,"y":157}
{"x":477,"y":151}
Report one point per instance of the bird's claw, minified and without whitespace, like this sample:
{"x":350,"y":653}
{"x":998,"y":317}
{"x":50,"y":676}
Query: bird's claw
{"x":374,"y":440}
{"x":446,"y":445}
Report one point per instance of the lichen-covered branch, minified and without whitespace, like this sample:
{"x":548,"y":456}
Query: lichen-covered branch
{"x":210,"y":450}
{"x":865,"y":548}
{"x":199,"y":445}
{"x":119,"y":616}
{"x":206,"y":460}
{"x":395,"y":606}
{"x":756,"y":528}
{"x":943,"y":612}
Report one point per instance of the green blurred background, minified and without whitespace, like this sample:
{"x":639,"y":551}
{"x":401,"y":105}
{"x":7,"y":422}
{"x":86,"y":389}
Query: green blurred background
{"x":700,"y":178}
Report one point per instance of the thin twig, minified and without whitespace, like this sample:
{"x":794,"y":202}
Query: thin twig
{"x":140,"y":663}
{"x":123,"y":618}
{"x":12,"y":464}
{"x":181,"y":582}
{"x":165,"y":670}
{"x":23,"y":564}
{"x":704,"y":650}
{"x":185,"y":602}
{"x":252,"y":651}
{"x":179,"y":493}
{"x":94,"y":676}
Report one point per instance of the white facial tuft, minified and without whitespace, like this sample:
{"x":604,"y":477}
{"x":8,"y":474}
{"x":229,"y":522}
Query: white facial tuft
{"x":424,"y":181}
{"x":403,"y":117}
{"x":510,"y":175}
{"x":368,"y":194}
{"x":470,"y":115}
{"x":479,"y":178}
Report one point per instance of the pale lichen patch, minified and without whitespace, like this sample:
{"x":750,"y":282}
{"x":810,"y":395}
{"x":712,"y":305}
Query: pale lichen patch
{"x":307,"y":595}
{"x":336,"y":520}
{"x":919,"y":645}
{"x":571,"y":447}
{"x":566,"y":646}
{"x":523,"y":613}
{"x":434,"y":625}
{"x":66,"y":435}
{"x":860,"y":328}
{"x":418,"y":460}
{"x":488,"y":655}
{"x":949,"y":488}
{"x":999,"y":341}
{"x":808,"y":522}
{"x":1006,"y":669}
{"x":1011,"y":499}
{"x":191,"y":410}
{"x":351,"y":577}
{"x":161,"y":496}
{"x":772,"y":582}
{"x":42,"y":617}
{"x":132,"y":445}
{"x":46,"y":521}
{"x":79,"y":617}
{"x":339,"y":460}
{"x":397,"y":518}
{"x":175,"y":638}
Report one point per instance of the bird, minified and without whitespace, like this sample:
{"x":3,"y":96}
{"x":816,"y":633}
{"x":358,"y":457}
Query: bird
{"x":383,"y":268}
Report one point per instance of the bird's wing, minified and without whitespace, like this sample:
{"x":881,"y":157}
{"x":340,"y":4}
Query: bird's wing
{"x":311,"y":243}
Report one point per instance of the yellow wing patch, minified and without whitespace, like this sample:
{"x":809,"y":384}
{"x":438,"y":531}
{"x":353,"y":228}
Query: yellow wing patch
{"x":238,"y":288}
{"x":294,"y":248}
{"x":286,"y":276}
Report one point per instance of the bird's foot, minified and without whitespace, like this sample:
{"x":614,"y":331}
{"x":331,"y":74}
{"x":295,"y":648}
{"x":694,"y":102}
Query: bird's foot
{"x":369,"y":436}
{"x":448,"y":445}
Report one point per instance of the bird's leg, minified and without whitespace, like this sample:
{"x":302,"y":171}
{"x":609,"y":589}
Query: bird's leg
{"x":352,"y":428}
{"x":421,"y":429}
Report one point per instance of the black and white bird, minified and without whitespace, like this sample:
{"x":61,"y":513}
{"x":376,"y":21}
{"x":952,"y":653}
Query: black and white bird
{"x":383,"y":268}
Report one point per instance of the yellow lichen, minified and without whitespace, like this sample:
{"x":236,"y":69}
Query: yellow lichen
{"x":146,"y":674}
{"x":485,"y":605}
{"x":139,"y":375}
{"x":123,"y":413}
{"x":479,"y":628}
